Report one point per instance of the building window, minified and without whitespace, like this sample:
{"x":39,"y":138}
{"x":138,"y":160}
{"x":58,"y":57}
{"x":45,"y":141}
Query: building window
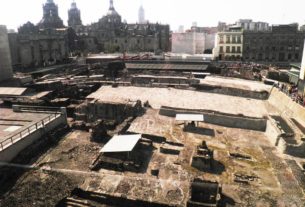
{"x":233,"y":49}
{"x":273,"y":56}
{"x":238,"y":49}
{"x":228,"y":49}
{"x":220,"y":39}
{"x":221,"y":49}
{"x":228,"y":39}
{"x":233,"y":39}
{"x":296,"y":56}
{"x":238,"y":39}
{"x":289,"y":56}
{"x":116,"y":41}
{"x":138,"y":41}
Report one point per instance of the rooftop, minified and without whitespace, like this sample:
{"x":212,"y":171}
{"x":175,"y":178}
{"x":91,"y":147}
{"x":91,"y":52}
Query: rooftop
{"x":5,"y":91}
{"x":121,"y":143}
{"x":198,"y":67}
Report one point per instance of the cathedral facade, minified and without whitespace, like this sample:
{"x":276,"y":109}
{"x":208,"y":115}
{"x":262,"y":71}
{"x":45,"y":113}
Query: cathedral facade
{"x":43,"y":44}
{"x":51,"y":42}
{"x":111,"y":34}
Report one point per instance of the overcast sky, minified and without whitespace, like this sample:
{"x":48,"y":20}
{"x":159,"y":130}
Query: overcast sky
{"x":14,"y":13}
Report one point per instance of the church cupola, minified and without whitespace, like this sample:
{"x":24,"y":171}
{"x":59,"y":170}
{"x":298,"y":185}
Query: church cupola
{"x":112,"y":18}
{"x":112,"y":11}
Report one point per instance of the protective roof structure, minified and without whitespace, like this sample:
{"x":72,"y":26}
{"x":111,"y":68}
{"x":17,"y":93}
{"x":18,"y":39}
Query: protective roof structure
{"x":147,"y":66}
{"x":122,"y":143}
{"x":189,"y":117}
{"x":10,"y":91}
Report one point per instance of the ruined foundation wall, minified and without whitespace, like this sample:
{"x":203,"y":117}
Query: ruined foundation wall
{"x":226,"y":120}
{"x":273,"y":134}
{"x":287,"y":106}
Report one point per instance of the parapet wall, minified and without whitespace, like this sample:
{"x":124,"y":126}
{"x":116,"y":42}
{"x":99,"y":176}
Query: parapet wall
{"x":286,"y":106}
{"x":222,"y":119}
{"x":12,"y":151}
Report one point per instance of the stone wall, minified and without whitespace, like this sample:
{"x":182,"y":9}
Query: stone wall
{"x":227,"y":120}
{"x":286,"y":106}
{"x":118,"y":112}
{"x":273,"y":134}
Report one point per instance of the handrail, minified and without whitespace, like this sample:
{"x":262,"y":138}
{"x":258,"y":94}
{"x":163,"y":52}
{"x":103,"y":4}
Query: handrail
{"x":32,"y":128}
{"x":37,"y":108}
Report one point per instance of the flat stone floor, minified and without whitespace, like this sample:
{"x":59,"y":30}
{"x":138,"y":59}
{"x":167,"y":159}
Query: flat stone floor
{"x":189,"y":99}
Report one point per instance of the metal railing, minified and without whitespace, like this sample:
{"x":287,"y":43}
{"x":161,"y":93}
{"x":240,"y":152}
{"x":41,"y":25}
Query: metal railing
{"x":29,"y":130}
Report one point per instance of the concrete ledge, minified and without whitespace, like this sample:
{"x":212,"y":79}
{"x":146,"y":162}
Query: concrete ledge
{"x":222,"y":119}
{"x":8,"y":154}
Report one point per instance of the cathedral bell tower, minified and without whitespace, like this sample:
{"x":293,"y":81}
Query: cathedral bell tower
{"x":74,"y":16}
{"x":50,"y":16}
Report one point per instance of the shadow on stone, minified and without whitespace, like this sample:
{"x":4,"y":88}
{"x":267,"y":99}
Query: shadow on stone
{"x":204,"y":161}
{"x":296,"y":150}
{"x":226,"y":201}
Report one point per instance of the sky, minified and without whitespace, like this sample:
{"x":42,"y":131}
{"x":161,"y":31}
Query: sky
{"x":14,"y":13}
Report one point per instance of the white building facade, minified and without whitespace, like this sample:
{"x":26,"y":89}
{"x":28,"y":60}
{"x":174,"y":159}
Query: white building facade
{"x":188,"y":42}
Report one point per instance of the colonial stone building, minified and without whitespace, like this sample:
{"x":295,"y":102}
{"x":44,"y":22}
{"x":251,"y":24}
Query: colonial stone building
{"x":42,"y":44}
{"x":111,"y":34}
{"x":283,"y":43}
